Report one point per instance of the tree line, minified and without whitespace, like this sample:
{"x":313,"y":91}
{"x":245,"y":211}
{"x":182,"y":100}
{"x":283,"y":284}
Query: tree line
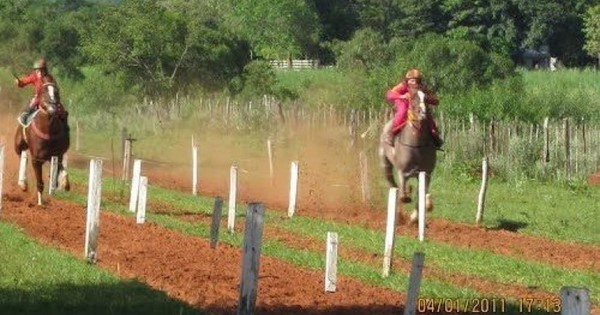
{"x":166,"y":46}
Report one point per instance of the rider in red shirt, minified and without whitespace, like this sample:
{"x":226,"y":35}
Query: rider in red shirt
{"x":38,"y":77}
{"x":400,"y":96}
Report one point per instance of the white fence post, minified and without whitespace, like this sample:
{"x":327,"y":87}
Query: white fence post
{"x":93,"y":210}
{"x":23,"y":170}
{"x":293,"y":188}
{"x":232,"y":198}
{"x":573,"y":301}
{"x":141,"y":206}
{"x":422,"y":201}
{"x":270,"y":153}
{"x":388,"y":251}
{"x":194,"y":169}
{"x":482,"y":191}
{"x":331,"y":262}
{"x":53,"y":176}
{"x":135,"y":184}
{"x":414,"y":284}
{"x":364,"y":176}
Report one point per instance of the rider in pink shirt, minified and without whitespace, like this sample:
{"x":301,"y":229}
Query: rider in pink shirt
{"x":401,"y":94}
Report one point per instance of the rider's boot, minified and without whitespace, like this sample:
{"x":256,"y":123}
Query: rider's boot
{"x":25,"y":114}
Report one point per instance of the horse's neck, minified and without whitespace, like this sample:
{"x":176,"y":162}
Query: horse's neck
{"x":46,"y":123}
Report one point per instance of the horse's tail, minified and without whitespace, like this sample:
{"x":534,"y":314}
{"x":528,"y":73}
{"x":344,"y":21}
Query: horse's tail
{"x":388,"y":168}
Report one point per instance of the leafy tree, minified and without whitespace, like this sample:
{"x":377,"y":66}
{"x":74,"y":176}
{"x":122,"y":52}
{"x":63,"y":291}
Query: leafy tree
{"x":365,"y":51}
{"x":276,"y":29}
{"x":421,"y":17}
{"x":454,"y":66}
{"x":382,"y":16}
{"x":162,"y":48}
{"x":490,"y":23}
{"x":592,"y":32}
{"x":338,"y":22}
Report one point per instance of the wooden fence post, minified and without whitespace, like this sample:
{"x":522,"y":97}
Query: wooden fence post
{"x":251,"y":258}
{"x":546,"y":153}
{"x":567,"y":135}
{"x":216,"y":221}
{"x":126,"y":159}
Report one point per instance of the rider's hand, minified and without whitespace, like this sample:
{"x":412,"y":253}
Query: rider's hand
{"x":17,"y":81}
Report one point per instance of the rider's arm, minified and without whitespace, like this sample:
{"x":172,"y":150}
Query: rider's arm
{"x":400,"y":91}
{"x":30,"y":79}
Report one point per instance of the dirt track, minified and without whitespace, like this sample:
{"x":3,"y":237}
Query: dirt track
{"x":283,"y":289}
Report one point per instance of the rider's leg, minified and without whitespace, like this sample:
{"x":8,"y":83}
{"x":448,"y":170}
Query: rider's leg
{"x":29,"y":109}
{"x":398,"y":121}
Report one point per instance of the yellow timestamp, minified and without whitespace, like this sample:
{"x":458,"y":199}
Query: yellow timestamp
{"x":530,"y":304}
{"x":462,"y":305}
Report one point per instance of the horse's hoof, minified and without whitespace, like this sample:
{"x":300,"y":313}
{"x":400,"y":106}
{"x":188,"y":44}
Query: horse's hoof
{"x":414,"y":218}
{"x":23,"y":188}
{"x":405,"y":199}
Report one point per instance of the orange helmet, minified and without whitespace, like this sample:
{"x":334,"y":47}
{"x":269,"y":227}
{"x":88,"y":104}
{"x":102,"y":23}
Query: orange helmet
{"x":413,"y":74}
{"x":40,"y":64}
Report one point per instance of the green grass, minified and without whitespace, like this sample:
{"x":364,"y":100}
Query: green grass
{"x":564,"y":212}
{"x":38,"y":280}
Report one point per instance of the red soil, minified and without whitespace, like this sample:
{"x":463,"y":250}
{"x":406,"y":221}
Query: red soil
{"x":169,"y":264}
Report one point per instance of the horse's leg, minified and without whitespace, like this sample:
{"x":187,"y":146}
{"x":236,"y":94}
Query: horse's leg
{"x":37,"y":169}
{"x":63,"y":176}
{"x":403,"y":188}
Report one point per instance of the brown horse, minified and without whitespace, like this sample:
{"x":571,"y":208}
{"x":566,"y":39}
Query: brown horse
{"x":45,"y":136}
{"x":413,"y":152}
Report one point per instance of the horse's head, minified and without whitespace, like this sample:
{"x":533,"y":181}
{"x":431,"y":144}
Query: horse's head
{"x":49,"y":99}
{"x":417,"y":110}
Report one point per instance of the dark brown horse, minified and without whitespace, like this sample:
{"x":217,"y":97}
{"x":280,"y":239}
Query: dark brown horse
{"x":46,"y":136}
{"x":413,"y":152}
